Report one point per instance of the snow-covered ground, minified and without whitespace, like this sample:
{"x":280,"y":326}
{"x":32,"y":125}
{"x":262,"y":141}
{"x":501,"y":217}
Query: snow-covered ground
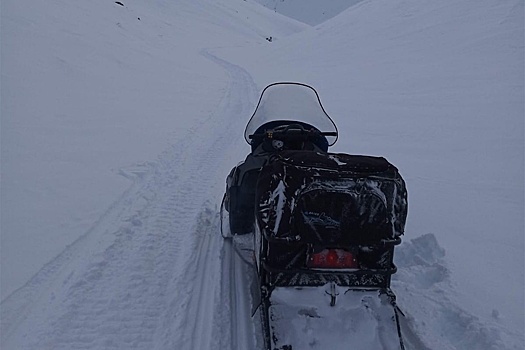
{"x":119,"y":125}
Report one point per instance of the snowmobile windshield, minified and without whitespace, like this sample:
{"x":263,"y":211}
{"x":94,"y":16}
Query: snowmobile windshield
{"x":289,"y":103}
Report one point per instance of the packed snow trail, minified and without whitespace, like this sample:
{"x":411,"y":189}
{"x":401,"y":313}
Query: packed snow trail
{"x":217,"y":315}
{"x":148,"y":273}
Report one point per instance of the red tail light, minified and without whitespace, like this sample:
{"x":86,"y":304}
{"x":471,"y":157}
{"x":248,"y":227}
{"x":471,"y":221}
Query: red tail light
{"x":333,"y":259}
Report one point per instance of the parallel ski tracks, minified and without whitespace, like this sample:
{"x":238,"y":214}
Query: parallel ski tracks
{"x":244,"y":328}
{"x":218,"y":311}
{"x":203,"y":282}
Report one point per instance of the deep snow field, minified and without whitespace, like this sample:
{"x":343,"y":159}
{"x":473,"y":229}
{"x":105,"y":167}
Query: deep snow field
{"x":119,"y":125}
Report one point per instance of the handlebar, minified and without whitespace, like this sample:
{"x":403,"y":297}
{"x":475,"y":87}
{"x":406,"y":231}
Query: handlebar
{"x":292,"y":134}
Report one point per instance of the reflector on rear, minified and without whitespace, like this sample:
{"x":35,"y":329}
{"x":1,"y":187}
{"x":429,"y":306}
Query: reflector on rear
{"x":333,"y":259}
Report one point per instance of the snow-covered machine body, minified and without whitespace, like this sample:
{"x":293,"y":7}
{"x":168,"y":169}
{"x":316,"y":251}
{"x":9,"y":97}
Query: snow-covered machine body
{"x":319,"y":220}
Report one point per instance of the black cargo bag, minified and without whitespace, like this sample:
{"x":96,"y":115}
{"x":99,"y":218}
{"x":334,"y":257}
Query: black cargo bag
{"x":330,"y":199}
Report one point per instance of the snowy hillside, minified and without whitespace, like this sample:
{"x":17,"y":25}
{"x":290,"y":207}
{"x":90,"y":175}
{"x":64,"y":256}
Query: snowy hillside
{"x":119,"y":125}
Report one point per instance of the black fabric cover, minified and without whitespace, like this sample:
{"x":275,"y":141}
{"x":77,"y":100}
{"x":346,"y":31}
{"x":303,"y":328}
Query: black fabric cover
{"x":330,"y":199}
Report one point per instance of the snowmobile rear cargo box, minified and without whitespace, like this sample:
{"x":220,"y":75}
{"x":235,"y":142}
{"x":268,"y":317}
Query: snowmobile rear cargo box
{"x":307,"y":201}
{"x":327,"y":198}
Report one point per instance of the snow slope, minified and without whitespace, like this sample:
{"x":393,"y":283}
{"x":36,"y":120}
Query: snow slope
{"x":120,"y":123}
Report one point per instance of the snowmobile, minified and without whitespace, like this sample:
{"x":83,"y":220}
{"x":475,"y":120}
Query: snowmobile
{"x":321,"y":228}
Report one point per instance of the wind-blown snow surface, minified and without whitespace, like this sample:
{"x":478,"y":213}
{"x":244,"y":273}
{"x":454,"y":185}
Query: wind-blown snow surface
{"x":120,"y":123}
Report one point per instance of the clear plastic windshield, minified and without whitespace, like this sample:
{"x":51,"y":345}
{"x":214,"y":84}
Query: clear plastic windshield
{"x":290,"y":102}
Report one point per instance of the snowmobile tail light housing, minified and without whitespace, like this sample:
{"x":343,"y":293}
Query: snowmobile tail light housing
{"x":332,"y":259}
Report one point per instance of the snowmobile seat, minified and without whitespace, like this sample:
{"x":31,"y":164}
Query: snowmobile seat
{"x":321,"y":143}
{"x":242,"y":203}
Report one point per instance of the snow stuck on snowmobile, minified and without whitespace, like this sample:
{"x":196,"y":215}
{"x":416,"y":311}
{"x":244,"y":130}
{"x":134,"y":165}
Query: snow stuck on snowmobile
{"x":319,"y":228}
